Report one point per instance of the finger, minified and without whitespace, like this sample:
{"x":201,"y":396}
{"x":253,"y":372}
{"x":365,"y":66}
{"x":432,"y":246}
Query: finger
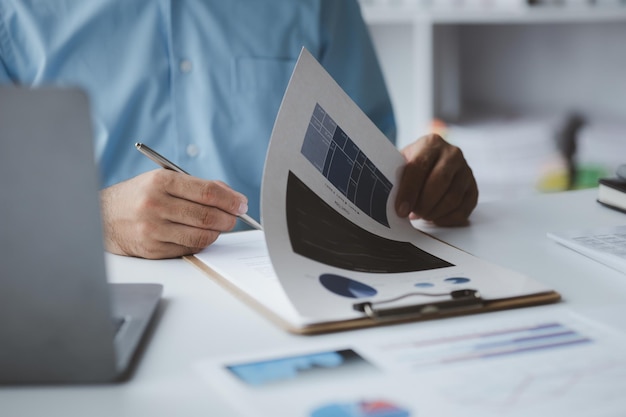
{"x":446,"y":185}
{"x":208,"y":193}
{"x":450,"y":199}
{"x":192,"y":214}
{"x":168,"y":204}
{"x":147,"y":240}
{"x":220,"y":195}
{"x":165,"y":250}
{"x":191,"y":238}
{"x":460,"y":215}
{"x":444,"y":179}
{"x":435,"y":187}
{"x":420,"y":156}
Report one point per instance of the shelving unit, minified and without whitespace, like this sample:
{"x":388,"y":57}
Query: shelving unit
{"x":389,"y":14}
{"x":477,"y":64}
{"x":437,"y":63}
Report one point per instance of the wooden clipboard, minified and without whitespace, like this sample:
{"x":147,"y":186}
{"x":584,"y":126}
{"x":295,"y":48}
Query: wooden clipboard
{"x":352,"y":324}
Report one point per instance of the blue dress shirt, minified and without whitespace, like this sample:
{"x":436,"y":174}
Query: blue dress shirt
{"x":199,"y":81}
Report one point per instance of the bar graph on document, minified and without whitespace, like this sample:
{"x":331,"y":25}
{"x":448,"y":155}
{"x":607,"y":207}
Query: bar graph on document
{"x":541,"y":368}
{"x":486,"y":344}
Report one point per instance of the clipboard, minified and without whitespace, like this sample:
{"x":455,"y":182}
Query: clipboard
{"x":334,"y":255}
{"x":461,"y":302}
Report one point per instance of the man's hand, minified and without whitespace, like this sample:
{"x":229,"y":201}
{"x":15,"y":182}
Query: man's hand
{"x":164,"y":214}
{"x":437,"y":184}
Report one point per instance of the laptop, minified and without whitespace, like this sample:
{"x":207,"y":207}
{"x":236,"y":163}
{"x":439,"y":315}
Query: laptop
{"x":60,"y":320}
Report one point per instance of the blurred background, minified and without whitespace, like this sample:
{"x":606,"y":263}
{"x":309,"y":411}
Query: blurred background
{"x":534,"y":92}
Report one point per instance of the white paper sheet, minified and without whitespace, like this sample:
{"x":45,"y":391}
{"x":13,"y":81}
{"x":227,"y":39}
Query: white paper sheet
{"x":242,"y":258}
{"x":546,"y":362}
{"x":606,"y":245}
{"x":328,"y":195}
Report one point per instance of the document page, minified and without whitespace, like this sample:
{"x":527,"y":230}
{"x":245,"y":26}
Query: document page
{"x":606,"y":245}
{"x":541,"y":362}
{"x":242,"y":260}
{"x":327,"y":208}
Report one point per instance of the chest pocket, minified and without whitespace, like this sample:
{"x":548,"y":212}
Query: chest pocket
{"x":258,"y":85}
{"x":263,"y":80}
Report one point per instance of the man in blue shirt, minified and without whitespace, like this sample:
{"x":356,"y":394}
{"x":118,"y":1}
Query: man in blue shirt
{"x":201,"y":81}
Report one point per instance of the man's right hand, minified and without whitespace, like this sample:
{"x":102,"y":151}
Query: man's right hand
{"x":165,"y":214}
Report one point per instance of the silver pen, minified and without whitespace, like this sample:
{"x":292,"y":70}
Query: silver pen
{"x":167,"y":164}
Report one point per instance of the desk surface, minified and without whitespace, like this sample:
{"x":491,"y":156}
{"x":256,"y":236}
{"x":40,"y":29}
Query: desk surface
{"x":198,"y":319}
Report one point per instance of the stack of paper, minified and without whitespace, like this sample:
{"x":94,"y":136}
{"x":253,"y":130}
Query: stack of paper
{"x":511,"y":157}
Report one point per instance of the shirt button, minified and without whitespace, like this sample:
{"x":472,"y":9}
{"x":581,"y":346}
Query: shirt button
{"x":185,"y":65}
{"x":192,"y":150}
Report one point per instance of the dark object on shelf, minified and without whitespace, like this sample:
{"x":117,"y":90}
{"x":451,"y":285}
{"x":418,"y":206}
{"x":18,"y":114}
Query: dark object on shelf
{"x":612,"y":193}
{"x":566,"y":143}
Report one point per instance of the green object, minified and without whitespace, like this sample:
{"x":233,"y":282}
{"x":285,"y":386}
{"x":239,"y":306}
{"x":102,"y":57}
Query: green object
{"x":587,"y":176}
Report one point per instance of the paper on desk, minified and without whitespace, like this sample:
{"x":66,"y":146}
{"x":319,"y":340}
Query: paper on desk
{"x":332,"y":232}
{"x":242,"y":257}
{"x":545,"y":362}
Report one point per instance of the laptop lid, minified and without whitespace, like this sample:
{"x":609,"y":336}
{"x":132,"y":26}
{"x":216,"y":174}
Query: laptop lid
{"x":55,"y":313}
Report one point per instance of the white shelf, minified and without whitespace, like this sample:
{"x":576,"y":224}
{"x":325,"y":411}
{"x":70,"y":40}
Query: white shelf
{"x":382,"y":14}
{"x":528,"y":61}
{"x":446,"y":63}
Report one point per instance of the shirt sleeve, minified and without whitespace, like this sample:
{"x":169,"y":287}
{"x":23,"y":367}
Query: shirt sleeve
{"x":4,"y":75}
{"x":347,"y":53}
{"x":4,"y":56}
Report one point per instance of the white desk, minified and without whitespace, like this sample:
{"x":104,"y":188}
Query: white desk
{"x":199,"y":319}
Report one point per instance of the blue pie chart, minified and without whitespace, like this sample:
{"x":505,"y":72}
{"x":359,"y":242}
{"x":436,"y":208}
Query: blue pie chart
{"x":346,"y":287}
{"x":457,"y":280}
{"x":377,"y":408}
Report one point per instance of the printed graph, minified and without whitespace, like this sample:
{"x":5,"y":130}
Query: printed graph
{"x":542,"y":369}
{"x":367,"y":408}
{"x":342,"y":162}
{"x":486,"y":345}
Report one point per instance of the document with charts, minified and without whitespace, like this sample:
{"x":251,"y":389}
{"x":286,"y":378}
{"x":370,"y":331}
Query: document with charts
{"x":339,"y":253}
{"x":543,"y":362}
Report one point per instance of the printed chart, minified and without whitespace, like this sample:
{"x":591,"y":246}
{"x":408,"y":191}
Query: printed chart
{"x":377,"y":408}
{"x":343,"y":163}
{"x":485,"y":345}
{"x":541,"y":369}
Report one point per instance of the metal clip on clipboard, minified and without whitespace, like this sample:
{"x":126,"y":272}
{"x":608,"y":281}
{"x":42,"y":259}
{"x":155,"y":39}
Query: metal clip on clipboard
{"x":465,"y":299}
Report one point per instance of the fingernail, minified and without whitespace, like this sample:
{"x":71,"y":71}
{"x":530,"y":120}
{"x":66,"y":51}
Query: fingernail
{"x":404,"y":209}
{"x":243,"y":208}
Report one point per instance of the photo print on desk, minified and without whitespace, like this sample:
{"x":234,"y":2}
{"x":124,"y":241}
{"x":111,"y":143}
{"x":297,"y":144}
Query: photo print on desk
{"x":303,"y":369}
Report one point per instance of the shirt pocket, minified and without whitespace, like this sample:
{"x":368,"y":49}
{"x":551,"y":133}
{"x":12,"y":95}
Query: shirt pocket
{"x":258,"y":86}
{"x":262,"y":80}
